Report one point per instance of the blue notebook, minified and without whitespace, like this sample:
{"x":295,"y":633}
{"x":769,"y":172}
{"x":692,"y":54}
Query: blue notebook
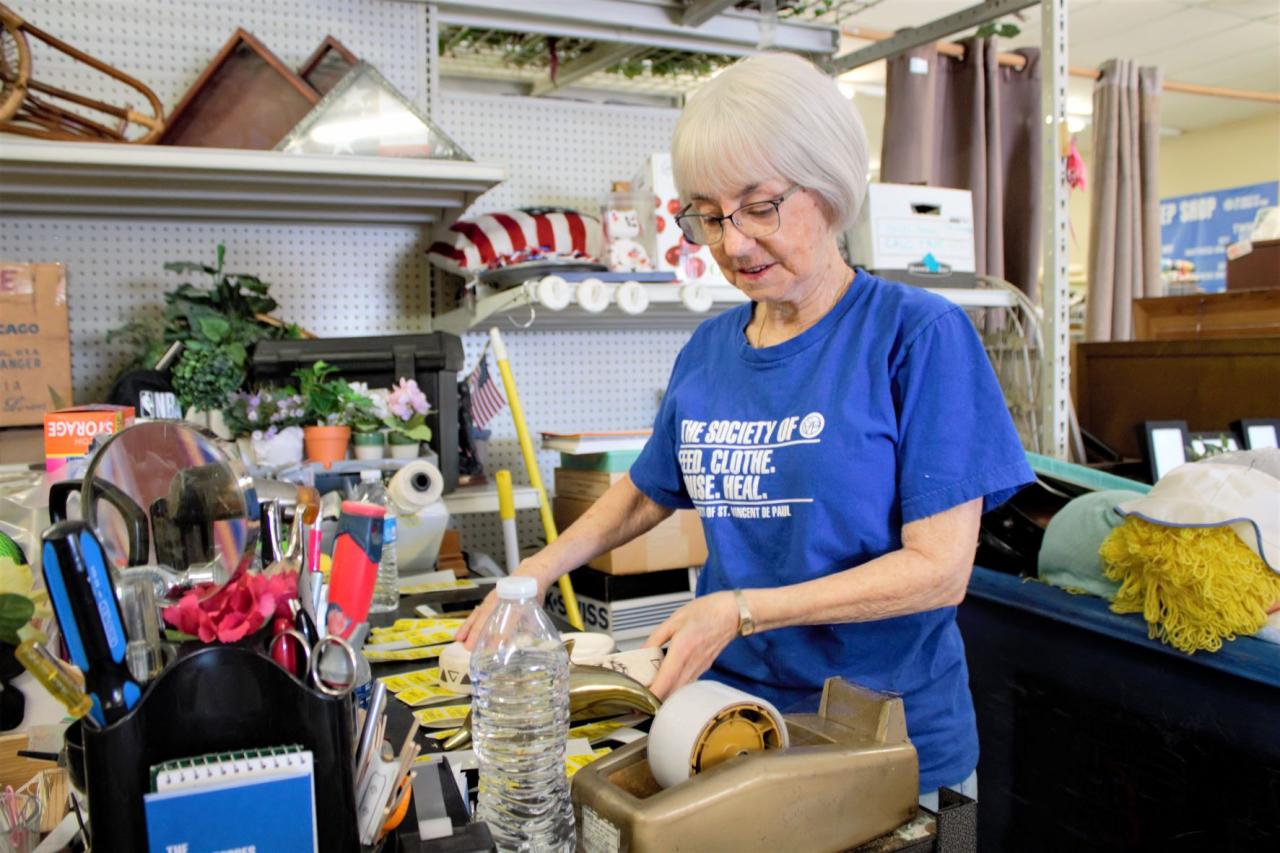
{"x":262,"y":802}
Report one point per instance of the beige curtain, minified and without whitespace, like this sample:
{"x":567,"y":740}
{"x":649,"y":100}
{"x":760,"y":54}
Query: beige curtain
{"x":973,"y":124}
{"x":1124,"y":205}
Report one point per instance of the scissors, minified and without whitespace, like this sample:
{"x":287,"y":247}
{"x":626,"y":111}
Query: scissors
{"x":311,"y":669}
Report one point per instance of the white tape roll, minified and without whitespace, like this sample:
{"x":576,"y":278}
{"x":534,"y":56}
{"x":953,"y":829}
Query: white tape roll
{"x":416,"y":486}
{"x":678,"y":738}
{"x":553,"y":292}
{"x":593,"y":296}
{"x":696,"y":297}
{"x":632,"y":297}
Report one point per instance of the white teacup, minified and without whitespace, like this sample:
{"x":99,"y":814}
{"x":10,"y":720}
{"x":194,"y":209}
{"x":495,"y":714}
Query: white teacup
{"x":455,"y":668}
{"x":589,"y":647}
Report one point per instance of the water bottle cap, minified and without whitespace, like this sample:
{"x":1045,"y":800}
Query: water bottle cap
{"x":516,"y":588}
{"x":370,"y":476}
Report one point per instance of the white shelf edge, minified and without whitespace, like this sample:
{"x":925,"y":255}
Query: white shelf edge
{"x":665,"y":309}
{"x":466,"y":500}
{"x":118,"y":180}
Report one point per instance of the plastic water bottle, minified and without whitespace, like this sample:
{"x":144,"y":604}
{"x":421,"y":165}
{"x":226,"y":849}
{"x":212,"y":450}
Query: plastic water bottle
{"x":520,"y":722}
{"x":386,"y":590}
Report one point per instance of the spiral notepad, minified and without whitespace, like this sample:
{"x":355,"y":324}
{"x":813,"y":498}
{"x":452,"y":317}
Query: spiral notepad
{"x":269,"y":793}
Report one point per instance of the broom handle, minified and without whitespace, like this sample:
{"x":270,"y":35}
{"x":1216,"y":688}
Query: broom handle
{"x":531,"y":466}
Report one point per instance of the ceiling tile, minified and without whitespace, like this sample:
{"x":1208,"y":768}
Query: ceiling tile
{"x":1250,"y":69}
{"x":1248,"y":9}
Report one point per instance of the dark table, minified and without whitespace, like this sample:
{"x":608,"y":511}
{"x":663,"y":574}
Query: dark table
{"x":1096,"y":737}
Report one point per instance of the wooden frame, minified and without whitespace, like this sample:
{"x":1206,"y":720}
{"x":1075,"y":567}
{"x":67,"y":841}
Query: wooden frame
{"x":245,"y":98}
{"x":327,"y":64}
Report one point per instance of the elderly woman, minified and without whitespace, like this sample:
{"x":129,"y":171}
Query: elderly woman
{"x":839,"y":435}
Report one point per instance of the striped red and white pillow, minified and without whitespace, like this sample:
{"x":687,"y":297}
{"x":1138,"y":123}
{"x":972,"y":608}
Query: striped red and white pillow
{"x":502,"y":239}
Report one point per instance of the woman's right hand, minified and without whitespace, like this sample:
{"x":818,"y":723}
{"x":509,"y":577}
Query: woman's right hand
{"x":470,"y":629}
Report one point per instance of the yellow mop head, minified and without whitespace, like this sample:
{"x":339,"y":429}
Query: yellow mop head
{"x":1195,"y":586}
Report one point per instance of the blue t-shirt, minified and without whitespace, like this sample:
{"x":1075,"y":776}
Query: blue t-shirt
{"x":806,"y":458}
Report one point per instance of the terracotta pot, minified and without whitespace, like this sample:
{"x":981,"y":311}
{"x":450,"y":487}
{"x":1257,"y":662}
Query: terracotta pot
{"x":326,"y":444}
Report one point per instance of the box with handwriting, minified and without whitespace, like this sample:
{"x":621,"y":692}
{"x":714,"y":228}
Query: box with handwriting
{"x":35,"y":342}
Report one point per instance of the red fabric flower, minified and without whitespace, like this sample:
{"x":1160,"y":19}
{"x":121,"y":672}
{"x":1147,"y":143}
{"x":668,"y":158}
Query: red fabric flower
{"x":237,"y":610}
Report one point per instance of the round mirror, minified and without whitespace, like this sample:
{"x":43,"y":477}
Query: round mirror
{"x":163,"y":494}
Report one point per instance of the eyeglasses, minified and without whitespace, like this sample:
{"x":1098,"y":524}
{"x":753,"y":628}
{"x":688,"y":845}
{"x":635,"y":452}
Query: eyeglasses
{"x":755,"y":220}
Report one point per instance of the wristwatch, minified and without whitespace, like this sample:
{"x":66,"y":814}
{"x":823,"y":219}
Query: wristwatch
{"x":746,"y":625}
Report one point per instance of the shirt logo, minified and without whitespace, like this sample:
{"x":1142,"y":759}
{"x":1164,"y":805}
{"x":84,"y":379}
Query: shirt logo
{"x":812,"y":425}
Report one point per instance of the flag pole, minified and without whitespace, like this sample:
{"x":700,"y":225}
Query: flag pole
{"x":531,"y":467}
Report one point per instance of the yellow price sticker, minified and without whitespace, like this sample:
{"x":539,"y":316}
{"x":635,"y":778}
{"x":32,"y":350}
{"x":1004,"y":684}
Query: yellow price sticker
{"x":443,"y":716}
{"x":416,"y":697}
{"x":574,"y":763}
{"x":429,"y":677}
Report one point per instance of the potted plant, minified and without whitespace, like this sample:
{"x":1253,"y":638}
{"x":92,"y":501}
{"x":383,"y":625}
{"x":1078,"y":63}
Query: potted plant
{"x":269,"y":421}
{"x":217,"y":327}
{"x":368,"y":438}
{"x":407,"y":419}
{"x":332,"y":406}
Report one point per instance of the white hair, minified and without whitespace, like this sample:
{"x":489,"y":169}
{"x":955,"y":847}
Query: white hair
{"x":773,"y":115}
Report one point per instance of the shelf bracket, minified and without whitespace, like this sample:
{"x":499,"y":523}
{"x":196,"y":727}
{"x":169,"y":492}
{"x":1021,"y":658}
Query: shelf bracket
{"x":598,"y":58}
{"x":974,"y":16}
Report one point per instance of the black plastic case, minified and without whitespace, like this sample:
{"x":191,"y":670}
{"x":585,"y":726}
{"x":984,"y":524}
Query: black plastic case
{"x":434,"y":360}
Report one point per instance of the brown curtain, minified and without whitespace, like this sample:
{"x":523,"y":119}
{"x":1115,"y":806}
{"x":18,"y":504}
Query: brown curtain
{"x":1124,"y":204}
{"x":975,"y":125}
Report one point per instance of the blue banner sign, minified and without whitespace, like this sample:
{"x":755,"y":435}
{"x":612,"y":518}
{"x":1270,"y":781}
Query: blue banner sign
{"x":1198,"y":228}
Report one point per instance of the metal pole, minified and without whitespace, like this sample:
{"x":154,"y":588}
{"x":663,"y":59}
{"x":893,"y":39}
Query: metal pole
{"x":1055,"y":295}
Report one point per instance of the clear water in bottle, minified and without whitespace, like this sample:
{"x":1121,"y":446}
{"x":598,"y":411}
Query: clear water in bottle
{"x":386,"y":589}
{"x":520,"y":722}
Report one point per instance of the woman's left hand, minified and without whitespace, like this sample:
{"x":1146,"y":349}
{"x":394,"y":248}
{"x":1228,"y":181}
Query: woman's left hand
{"x":697,"y":633}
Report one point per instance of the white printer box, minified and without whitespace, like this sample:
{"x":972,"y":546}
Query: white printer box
{"x":902,"y":224}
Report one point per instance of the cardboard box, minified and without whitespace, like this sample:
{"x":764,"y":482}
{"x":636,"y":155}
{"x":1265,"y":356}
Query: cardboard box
{"x":585,"y":485}
{"x":68,"y":433}
{"x":35,"y":342}
{"x":21,"y":446}
{"x":662,"y":239}
{"x":901,"y":225}
{"x":676,"y":543}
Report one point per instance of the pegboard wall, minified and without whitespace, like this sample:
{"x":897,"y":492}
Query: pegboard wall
{"x":356,"y":280}
{"x":332,"y":281}
{"x":568,"y":154}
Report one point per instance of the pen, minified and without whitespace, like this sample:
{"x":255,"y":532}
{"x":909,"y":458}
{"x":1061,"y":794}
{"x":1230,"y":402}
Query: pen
{"x":364,"y":747}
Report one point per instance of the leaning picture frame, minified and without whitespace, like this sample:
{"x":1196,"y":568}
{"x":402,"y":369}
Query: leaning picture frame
{"x":1165,"y":445}
{"x":1257,"y":433}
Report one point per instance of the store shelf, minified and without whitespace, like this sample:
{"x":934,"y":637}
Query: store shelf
{"x":474,"y":499}
{"x":653,"y":23}
{"x":83,"y":179}
{"x":519,"y":304}
{"x":521,"y":308}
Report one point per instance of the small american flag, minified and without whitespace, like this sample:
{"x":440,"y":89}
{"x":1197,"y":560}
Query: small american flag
{"x":486,"y":397}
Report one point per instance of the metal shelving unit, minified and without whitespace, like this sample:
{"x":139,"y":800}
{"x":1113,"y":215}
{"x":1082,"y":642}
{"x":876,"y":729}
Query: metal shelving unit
{"x":76,"y":179}
{"x":521,"y":306}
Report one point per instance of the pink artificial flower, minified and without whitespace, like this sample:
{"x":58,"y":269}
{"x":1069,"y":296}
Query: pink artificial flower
{"x":406,"y":398}
{"x":236,"y":611}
